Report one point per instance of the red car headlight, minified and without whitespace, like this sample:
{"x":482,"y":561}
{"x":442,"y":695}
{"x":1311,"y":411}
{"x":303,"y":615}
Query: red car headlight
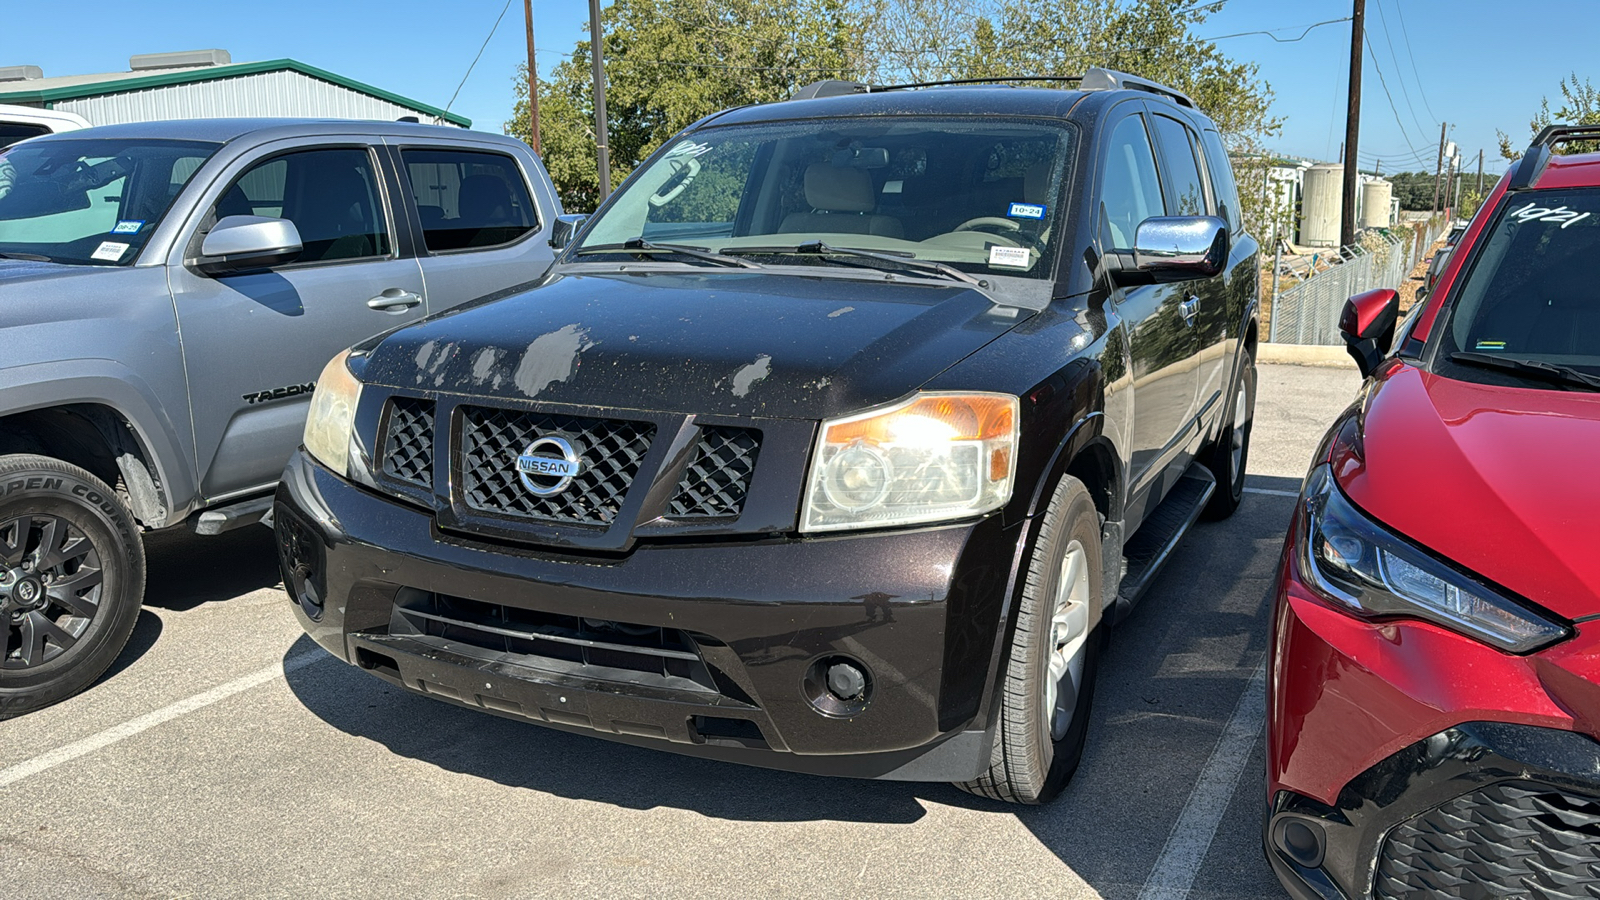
{"x":1354,"y":562}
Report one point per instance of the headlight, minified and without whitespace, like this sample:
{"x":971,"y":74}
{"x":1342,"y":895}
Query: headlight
{"x":933,"y":457}
{"x":1371,"y":571}
{"x":333,"y":415}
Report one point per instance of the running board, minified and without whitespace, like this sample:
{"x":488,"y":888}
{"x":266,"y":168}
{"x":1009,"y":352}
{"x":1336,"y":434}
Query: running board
{"x":1149,"y":547}
{"x":227,"y":518}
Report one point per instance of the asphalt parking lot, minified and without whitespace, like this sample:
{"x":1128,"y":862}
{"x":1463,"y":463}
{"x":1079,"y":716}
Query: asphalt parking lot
{"x":226,"y":756}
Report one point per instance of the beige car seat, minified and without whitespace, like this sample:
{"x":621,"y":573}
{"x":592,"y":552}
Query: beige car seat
{"x":842,"y":202}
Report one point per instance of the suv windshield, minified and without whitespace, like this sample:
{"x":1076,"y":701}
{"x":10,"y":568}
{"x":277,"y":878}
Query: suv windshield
{"x":1529,"y":308}
{"x":981,"y":196}
{"x":90,"y":201}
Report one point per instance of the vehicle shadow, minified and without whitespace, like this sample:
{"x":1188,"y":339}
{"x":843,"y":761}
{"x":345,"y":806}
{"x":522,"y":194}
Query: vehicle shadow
{"x":184,"y":570}
{"x":146,"y":631}
{"x":1171,"y":678}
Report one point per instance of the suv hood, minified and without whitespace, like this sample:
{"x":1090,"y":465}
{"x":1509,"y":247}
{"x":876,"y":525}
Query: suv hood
{"x":721,"y":342}
{"x":1500,"y":480}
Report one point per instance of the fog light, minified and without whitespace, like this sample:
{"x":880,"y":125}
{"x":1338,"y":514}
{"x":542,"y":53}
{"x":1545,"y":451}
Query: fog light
{"x":1302,"y":840}
{"x":846,"y":682}
{"x":837,"y":686}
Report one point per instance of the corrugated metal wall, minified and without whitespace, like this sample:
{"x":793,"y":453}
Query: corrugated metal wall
{"x":273,"y":94}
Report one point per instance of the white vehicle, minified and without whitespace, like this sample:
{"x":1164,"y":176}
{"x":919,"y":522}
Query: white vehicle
{"x":21,"y":122}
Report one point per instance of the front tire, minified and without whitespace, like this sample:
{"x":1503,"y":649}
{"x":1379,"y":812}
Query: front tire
{"x":71,"y":580}
{"x":1231,"y":453}
{"x":1055,"y":653}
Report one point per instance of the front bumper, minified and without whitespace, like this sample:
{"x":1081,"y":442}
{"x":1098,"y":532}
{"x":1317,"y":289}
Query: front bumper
{"x":717,"y":649}
{"x":1405,"y":760}
{"x":1484,"y":809}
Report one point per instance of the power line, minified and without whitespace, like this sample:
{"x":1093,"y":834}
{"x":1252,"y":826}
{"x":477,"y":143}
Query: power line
{"x":478,"y":57}
{"x":1400,"y":10}
{"x":1390,"y":97}
{"x":1399,"y":75}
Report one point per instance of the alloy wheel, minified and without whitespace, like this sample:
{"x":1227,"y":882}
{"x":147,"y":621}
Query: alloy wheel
{"x":1069,"y":641}
{"x":50,"y":586}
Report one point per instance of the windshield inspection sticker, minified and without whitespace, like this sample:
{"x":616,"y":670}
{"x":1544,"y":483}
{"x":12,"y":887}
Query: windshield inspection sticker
{"x":128,"y":226}
{"x":1026,"y":211}
{"x":1536,"y":213}
{"x":1016,"y":257}
{"x":109,"y":251}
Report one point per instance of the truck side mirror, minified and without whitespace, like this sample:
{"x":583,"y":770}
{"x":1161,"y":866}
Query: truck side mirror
{"x":1368,"y":323}
{"x":237,"y":243}
{"x":1180,"y":248}
{"x":564,"y":228}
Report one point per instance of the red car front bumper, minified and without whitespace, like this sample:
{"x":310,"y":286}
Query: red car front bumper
{"x":1388,"y":740}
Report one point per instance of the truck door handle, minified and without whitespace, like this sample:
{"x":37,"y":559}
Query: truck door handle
{"x":1190,"y":307}
{"x":394,"y":300}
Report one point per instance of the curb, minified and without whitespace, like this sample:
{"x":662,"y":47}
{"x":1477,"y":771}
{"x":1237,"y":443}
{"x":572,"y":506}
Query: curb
{"x":1304,"y":355}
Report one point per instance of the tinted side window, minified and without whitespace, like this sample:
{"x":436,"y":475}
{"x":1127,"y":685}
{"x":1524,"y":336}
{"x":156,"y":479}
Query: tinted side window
{"x":1222,"y":183}
{"x":11,"y":132}
{"x":331,"y":196}
{"x":1131,"y":193}
{"x":1186,"y":195}
{"x":469,"y":199}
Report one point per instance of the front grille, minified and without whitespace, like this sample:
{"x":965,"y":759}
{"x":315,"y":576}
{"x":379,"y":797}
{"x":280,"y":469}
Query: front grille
{"x":492,"y":439}
{"x":572,"y":645}
{"x":1501,"y":841}
{"x":718,"y":476}
{"x":408,"y":448}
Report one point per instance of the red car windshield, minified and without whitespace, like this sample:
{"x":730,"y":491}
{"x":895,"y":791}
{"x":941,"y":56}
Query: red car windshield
{"x":1529,"y":307}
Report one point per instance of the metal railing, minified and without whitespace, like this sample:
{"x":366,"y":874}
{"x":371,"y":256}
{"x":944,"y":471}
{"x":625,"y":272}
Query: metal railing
{"x":1307,"y":310}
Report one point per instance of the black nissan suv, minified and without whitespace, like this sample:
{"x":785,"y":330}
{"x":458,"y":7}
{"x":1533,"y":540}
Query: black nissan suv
{"x":835,"y":440}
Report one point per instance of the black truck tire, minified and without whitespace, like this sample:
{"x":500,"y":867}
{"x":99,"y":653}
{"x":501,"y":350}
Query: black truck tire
{"x":72,"y":574}
{"x":1230,"y":454}
{"x":1035,"y":752}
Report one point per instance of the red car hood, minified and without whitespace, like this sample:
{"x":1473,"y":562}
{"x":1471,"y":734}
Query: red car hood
{"x":1503,"y":481}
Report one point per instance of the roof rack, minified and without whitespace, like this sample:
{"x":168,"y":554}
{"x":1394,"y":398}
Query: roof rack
{"x":1543,"y":146}
{"x":1096,"y":79}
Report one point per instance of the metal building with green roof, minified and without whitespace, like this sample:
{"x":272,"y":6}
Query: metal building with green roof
{"x":204,"y":84}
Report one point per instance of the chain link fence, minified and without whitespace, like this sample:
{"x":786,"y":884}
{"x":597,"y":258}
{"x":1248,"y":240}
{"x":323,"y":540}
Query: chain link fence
{"x":1307,"y":311}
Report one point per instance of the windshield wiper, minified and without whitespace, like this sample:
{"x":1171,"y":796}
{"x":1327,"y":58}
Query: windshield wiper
{"x":640,"y":245}
{"x":30,"y":257}
{"x":818,"y":248}
{"x":1531,"y":367}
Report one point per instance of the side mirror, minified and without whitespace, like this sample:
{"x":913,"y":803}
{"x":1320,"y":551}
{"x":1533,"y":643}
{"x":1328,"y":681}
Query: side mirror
{"x":1180,"y":248}
{"x":237,"y":243}
{"x":1368,"y":324}
{"x":564,"y":228}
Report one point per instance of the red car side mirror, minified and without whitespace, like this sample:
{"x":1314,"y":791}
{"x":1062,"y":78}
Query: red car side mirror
{"x":1368,"y":323}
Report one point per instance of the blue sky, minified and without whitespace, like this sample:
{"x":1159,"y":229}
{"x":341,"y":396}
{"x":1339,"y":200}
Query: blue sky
{"x":1442,"y":64}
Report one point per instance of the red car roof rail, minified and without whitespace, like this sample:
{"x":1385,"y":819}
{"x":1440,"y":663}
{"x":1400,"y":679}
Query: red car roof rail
{"x":1539,"y":152}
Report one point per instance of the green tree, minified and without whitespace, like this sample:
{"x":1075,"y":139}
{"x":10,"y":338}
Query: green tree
{"x":1580,"y":105}
{"x":670,"y":62}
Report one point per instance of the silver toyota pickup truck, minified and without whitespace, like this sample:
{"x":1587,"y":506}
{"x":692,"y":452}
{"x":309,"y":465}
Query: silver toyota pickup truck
{"x":169,"y":292}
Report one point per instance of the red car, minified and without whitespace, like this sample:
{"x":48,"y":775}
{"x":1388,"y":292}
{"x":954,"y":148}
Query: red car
{"x":1434,"y":702}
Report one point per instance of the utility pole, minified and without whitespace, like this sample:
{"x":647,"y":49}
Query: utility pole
{"x":533,"y":79}
{"x":601,"y":135}
{"x":1438,"y":167}
{"x":1352,"y":127}
{"x":1480,"y":174}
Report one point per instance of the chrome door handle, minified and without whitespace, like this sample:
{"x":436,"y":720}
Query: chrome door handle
{"x":394,"y":300}
{"x":1190,"y":307}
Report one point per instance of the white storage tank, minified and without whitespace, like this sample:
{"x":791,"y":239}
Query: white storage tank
{"x":1375,"y":196}
{"x":1320,"y":203}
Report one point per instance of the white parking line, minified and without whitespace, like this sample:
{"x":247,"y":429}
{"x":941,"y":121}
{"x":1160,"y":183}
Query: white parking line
{"x":1180,"y":859}
{"x":1271,"y":492}
{"x":45,"y":761}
